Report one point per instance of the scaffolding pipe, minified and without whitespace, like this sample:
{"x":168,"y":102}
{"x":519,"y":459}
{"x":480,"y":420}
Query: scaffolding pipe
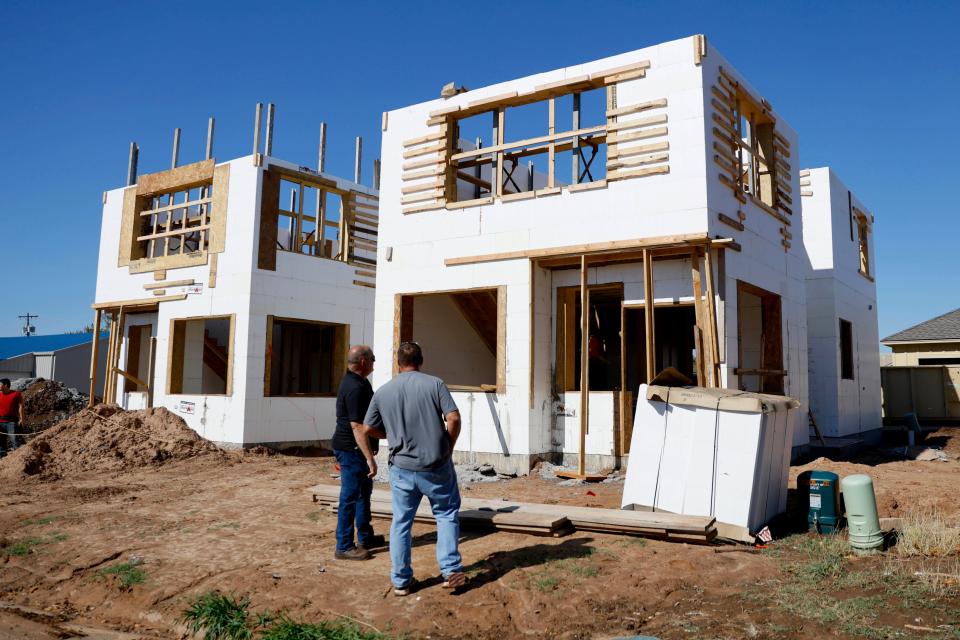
{"x":176,"y":148}
{"x":322,"y":154}
{"x":358,"y":154}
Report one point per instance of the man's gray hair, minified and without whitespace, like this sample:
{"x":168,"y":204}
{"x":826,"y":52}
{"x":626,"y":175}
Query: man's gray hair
{"x":358,"y":352}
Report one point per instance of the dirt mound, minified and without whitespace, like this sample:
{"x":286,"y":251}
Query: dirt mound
{"x":47,"y":402}
{"x":105,"y":439}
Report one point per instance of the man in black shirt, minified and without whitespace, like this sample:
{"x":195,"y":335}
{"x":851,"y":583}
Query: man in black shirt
{"x":355,"y":453}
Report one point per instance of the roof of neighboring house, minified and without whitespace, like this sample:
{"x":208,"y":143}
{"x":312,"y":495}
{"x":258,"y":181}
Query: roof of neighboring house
{"x":20,"y":345}
{"x":941,"y":328}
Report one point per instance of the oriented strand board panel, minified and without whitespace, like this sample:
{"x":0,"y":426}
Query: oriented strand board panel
{"x":269,"y":208}
{"x":125,"y":254}
{"x":181,"y":178}
{"x":218,"y":214}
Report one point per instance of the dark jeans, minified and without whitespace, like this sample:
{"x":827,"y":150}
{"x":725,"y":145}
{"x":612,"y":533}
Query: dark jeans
{"x":355,"y":490}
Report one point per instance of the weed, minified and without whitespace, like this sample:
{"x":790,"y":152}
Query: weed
{"x":313,"y":516}
{"x":928,"y":534}
{"x":286,"y":629}
{"x":58,"y":537}
{"x":22,"y":547}
{"x":128,"y":574}
{"x":219,"y":617}
{"x":544,"y":581}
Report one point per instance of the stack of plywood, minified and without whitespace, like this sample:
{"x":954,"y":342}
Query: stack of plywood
{"x":547,"y":519}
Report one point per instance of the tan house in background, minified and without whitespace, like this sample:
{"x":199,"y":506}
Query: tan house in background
{"x":934,"y":342}
{"x":924,"y":375}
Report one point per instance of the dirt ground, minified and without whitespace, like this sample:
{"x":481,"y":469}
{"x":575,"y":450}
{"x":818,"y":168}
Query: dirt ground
{"x":245,"y":524}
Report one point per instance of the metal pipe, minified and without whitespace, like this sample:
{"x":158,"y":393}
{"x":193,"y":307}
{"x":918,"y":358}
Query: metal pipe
{"x":132,"y":164}
{"x":176,"y":148}
{"x":268,"y":144}
{"x":358,"y":153}
{"x":209,"y":153}
{"x":256,"y":128}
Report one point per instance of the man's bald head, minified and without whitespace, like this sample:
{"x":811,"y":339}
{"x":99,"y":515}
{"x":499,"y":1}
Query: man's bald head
{"x":360,"y":359}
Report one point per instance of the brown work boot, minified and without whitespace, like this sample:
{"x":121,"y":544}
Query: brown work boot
{"x":357,"y":553}
{"x":455,"y":580}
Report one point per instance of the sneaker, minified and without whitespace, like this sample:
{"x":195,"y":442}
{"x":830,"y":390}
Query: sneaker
{"x":455,"y":580}
{"x":374,"y":542}
{"x":406,"y":589}
{"x":357,"y":553}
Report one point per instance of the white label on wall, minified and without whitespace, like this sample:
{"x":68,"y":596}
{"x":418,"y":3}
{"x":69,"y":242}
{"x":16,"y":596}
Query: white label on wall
{"x":187,"y":407}
{"x":193,"y":289}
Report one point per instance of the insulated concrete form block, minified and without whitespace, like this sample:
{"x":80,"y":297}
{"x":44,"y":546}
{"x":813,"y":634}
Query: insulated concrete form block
{"x":303,"y":287}
{"x":837,"y":290}
{"x":687,"y":200}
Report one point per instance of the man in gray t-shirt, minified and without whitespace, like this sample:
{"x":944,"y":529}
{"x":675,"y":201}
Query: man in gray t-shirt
{"x":420,"y":420}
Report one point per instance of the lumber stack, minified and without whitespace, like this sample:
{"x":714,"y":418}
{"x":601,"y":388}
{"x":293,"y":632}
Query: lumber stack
{"x":547,"y":519}
{"x":501,"y":518}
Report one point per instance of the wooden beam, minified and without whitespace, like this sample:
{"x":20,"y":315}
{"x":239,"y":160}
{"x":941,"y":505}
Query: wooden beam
{"x":586,"y":249}
{"x":648,"y":315}
{"x":698,"y":312}
{"x":712,"y":312}
{"x":146,"y":302}
{"x":94,"y":354}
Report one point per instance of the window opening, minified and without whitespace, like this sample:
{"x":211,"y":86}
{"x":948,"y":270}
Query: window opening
{"x":138,"y":355}
{"x":174,"y":222}
{"x":846,"y":349}
{"x":546,"y":143}
{"x":863,"y":242}
{"x":937,"y":361}
{"x":459,"y":333}
{"x":755,"y":152}
{"x":200,"y":360}
{"x":304,"y":358}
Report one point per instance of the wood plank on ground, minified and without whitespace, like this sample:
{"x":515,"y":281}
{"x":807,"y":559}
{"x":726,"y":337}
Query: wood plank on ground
{"x":667,"y":526}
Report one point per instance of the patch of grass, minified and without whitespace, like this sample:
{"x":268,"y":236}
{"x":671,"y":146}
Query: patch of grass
{"x":578,"y":567}
{"x":27,"y":545}
{"x":39,"y":522}
{"x":928,"y":534}
{"x":286,"y":629}
{"x":129,"y":574}
{"x":544,"y":581}
{"x":223,"y":617}
{"x":313,"y":516}
{"x":23,"y":547}
{"x":219,"y":617}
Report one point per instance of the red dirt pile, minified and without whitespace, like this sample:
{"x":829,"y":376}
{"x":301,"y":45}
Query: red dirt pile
{"x":105,"y":439}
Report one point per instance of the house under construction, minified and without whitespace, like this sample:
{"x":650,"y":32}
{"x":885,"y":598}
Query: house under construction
{"x":659,"y":191}
{"x":233,"y":290}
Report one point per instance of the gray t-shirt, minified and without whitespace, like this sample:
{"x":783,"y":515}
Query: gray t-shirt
{"x":412,"y":409}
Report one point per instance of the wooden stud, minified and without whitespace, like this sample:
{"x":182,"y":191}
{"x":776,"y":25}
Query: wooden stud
{"x":727,"y":220}
{"x":638,"y":173}
{"x":552,"y":147}
{"x":712,"y":313}
{"x":698,"y":312}
{"x":648,"y":319}
{"x":634,"y":108}
{"x":94,"y":354}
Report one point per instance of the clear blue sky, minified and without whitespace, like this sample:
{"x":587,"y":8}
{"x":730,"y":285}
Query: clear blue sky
{"x":873,"y":90}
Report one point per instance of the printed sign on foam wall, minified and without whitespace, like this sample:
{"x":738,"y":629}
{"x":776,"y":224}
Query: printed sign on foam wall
{"x":187,"y":407}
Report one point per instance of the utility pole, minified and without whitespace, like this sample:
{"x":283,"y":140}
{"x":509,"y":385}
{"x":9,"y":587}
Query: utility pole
{"x":28,"y":329}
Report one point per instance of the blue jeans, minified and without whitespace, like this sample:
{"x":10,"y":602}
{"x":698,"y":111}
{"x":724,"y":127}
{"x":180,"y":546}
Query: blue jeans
{"x":355,"y":490}
{"x":407,"y":489}
{"x":8,"y":441}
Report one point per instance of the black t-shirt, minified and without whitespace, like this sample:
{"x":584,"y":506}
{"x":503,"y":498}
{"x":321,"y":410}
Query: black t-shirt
{"x":353,"y":399}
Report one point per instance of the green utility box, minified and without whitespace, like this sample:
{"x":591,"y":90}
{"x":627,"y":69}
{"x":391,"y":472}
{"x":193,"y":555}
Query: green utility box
{"x":819,"y":491}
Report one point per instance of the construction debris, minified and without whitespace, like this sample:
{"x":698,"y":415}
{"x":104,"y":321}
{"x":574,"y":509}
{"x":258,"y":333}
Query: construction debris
{"x":105,"y":439}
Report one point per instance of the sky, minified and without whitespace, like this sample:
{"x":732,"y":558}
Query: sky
{"x":873,"y":90}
